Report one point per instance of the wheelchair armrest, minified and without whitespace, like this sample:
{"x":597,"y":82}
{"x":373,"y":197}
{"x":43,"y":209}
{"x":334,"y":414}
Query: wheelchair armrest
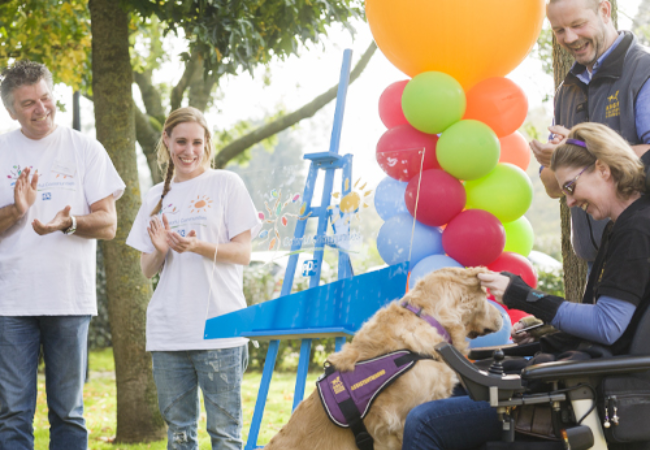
{"x":508,"y":350}
{"x":616,"y":365}
{"x":478,"y":382}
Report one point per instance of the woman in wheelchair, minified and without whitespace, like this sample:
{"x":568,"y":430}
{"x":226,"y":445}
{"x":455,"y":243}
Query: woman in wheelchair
{"x":600,"y":173}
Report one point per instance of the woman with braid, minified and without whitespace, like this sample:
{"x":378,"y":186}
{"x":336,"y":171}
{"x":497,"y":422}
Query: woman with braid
{"x":195,"y":229}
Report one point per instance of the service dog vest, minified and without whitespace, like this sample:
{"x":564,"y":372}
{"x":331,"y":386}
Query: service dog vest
{"x":346,"y":393}
{"x":348,"y":396}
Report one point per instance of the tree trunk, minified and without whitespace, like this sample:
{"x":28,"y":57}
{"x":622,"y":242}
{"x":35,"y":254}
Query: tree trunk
{"x":138,"y":418}
{"x":201,"y":90}
{"x":575,"y":269}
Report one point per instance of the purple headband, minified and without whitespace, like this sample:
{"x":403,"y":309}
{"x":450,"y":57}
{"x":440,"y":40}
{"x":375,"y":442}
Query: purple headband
{"x":577,"y":142}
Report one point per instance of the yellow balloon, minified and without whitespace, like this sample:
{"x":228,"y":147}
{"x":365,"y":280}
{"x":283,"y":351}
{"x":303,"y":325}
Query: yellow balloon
{"x":471,"y":40}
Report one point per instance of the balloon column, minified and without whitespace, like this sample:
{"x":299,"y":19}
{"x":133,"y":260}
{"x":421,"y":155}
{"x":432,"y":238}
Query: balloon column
{"x":451,"y":148}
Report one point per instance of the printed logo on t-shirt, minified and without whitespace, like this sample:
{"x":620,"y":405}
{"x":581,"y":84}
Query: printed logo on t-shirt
{"x":189,"y":215}
{"x":169,"y":210}
{"x":14,"y":173}
{"x":201,"y":204}
{"x":64,"y":182}
{"x":47,"y":196}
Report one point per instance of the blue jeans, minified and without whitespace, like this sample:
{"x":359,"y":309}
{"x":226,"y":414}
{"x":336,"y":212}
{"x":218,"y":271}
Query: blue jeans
{"x":64,"y":340}
{"x":455,"y":423}
{"x":218,"y":373}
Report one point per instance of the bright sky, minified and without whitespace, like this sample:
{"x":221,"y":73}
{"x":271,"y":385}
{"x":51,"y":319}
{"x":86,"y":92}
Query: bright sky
{"x":298,"y":79}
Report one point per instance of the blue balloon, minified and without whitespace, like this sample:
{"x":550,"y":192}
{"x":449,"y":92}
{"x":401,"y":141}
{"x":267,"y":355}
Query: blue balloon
{"x":501,"y":337}
{"x":394,"y":240}
{"x":389,"y":197}
{"x":431,"y":264}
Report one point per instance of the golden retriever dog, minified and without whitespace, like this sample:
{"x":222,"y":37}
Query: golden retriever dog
{"x":456,"y":299}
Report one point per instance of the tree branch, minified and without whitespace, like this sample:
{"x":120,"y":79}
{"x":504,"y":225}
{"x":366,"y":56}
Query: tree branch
{"x":191,"y":66}
{"x":148,"y":137}
{"x":150,"y":95}
{"x":241,"y":144}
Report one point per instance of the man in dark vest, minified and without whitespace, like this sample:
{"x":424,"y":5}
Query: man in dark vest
{"x":607,"y":84}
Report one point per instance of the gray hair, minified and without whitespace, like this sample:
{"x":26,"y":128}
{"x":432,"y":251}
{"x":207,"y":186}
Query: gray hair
{"x":22,"y":73}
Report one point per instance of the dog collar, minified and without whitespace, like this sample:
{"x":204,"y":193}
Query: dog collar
{"x":430,"y":320}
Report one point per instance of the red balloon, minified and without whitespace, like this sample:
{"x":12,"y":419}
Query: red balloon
{"x":515,"y":263}
{"x":499,"y":103}
{"x":474,"y":238}
{"x":390,"y":105}
{"x":515,"y":150}
{"x":442,"y":197}
{"x":399,"y":152}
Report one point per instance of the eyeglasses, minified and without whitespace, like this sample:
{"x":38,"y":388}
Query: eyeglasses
{"x":570,"y":186}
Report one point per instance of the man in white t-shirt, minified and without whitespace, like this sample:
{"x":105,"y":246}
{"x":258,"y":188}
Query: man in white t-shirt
{"x":57,"y":197}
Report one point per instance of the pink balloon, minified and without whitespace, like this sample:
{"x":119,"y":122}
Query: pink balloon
{"x":516,"y":264}
{"x":442,"y":197}
{"x":474,"y":238}
{"x":390,"y":105}
{"x":399,"y":152}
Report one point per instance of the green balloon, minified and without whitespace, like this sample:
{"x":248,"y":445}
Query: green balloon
{"x":468,"y":150}
{"x":432,"y":101}
{"x":506,"y":192}
{"x":519,"y":236}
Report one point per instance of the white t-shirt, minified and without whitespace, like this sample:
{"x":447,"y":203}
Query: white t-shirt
{"x":217,"y":206}
{"x":52,"y":274}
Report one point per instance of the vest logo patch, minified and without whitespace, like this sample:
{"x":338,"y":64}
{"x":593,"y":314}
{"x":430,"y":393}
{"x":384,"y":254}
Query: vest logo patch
{"x":362,"y":383}
{"x":612,"y":109}
{"x":337,"y":385}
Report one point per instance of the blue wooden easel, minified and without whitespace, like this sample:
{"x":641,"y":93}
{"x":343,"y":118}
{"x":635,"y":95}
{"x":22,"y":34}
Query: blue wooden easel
{"x":337,"y":309}
{"x":329,"y":162}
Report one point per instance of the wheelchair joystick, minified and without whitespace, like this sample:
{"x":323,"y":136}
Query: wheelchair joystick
{"x":497,"y":368}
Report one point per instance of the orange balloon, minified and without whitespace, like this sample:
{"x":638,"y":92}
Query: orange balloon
{"x":499,"y":103}
{"x":515,"y":150}
{"x":471,"y":40}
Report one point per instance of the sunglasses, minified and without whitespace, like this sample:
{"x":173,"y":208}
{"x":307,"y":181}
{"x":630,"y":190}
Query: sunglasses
{"x":570,"y":186}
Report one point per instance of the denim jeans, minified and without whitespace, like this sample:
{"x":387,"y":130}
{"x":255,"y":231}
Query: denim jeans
{"x":218,"y":373}
{"x":64,"y":340}
{"x":455,"y":423}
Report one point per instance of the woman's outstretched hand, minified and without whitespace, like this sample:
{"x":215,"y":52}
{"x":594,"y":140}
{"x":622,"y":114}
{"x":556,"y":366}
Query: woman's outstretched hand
{"x":496,"y":283}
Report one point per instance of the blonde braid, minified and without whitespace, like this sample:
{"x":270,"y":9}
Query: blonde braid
{"x":166,"y":187}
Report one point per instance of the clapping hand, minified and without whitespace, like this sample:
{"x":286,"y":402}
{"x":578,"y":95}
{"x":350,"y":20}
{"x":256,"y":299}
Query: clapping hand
{"x":158,"y":230}
{"x":62,"y":221}
{"x":25,"y":191}
{"x":182,"y":244}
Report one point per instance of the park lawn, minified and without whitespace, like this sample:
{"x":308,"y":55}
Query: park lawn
{"x":100,"y":404}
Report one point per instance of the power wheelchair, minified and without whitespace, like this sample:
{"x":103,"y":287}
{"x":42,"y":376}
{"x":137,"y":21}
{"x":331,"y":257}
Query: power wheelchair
{"x":603,"y":404}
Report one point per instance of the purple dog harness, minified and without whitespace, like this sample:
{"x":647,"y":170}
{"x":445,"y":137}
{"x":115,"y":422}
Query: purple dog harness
{"x":348,"y":396}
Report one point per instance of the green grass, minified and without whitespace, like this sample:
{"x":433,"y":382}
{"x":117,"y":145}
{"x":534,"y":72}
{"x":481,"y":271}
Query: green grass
{"x":100,"y":404}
